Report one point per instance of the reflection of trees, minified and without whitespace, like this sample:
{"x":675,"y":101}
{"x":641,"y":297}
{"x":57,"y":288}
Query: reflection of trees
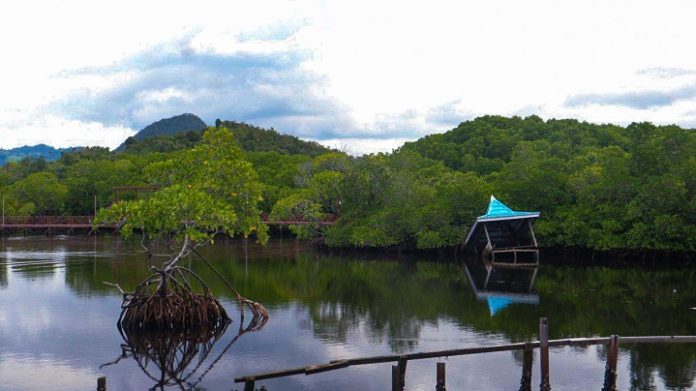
{"x":3,"y":274}
{"x":675,"y":365}
{"x":179,"y":359}
{"x":393,"y":301}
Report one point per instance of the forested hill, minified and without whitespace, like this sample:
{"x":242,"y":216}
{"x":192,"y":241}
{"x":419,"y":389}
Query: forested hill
{"x":167,"y":127}
{"x":255,"y":139}
{"x":598,"y":186}
{"x":603,"y":187}
{"x":39,"y":151}
{"x":250,"y":138}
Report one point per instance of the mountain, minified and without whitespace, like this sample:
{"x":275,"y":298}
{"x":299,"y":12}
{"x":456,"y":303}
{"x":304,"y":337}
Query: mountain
{"x":167,"y":127}
{"x":35,"y":151}
{"x":250,"y":138}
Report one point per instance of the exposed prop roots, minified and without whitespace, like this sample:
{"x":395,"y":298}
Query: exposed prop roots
{"x":172,"y":305}
{"x":258,"y":311}
{"x":175,"y":311}
{"x":166,"y":301}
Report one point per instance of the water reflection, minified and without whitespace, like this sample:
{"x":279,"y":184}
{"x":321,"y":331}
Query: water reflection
{"x":179,"y":359}
{"x":501,"y":285}
{"x":327,"y":307}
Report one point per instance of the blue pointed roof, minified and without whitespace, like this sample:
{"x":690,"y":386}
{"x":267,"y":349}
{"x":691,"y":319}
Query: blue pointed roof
{"x":498,"y":210}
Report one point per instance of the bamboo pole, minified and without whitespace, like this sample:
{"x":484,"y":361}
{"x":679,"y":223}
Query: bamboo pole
{"x":544,"y":354}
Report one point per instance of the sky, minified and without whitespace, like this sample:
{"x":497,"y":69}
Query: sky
{"x":361,"y":76}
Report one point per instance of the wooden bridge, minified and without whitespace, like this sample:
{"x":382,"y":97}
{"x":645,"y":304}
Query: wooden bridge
{"x":68,"y":224}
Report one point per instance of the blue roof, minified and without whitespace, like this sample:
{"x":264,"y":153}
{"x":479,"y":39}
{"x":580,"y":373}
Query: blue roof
{"x":498,"y":210}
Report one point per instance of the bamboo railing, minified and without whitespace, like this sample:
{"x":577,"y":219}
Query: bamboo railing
{"x":399,"y":370}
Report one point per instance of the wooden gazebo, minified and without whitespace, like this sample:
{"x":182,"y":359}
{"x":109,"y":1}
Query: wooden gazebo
{"x":504,"y":236}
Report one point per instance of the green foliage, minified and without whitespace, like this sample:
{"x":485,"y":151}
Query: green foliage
{"x":603,"y":187}
{"x":187,"y":212}
{"x":206,"y":189}
{"x":254,"y":139}
{"x":42,"y":190}
{"x":597,"y":186}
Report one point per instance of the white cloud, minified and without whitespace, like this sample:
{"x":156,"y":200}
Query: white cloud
{"x":360,"y":146}
{"x":372,"y":62}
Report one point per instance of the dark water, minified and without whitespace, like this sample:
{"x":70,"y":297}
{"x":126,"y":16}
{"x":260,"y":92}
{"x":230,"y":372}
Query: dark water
{"x":57,"y":320}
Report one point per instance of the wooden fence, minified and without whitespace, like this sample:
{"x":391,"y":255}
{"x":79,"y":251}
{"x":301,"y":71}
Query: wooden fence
{"x":399,"y":370}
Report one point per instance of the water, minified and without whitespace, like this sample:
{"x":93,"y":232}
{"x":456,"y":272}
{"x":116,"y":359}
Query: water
{"x":58,"y":321}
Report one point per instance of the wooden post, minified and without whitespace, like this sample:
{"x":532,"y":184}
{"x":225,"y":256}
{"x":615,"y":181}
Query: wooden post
{"x":396,"y":378}
{"x":612,"y":358}
{"x":544,"y":354}
{"x":101,"y":383}
{"x":402,"y":372}
{"x":249,"y":384}
{"x":527,"y":362}
{"x":440,"y":386}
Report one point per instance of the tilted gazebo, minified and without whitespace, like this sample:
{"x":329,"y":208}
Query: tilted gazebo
{"x":504,"y":236}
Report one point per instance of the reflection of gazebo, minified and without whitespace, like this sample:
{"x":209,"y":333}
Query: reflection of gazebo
{"x":505,"y":236}
{"x":502,"y":286}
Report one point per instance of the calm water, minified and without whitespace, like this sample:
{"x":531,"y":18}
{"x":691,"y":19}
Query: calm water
{"x":57,"y":320}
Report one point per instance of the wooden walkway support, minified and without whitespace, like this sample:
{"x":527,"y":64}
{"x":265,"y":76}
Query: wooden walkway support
{"x":398,"y":371}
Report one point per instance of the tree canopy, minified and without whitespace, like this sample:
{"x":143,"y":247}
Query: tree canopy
{"x":602,"y":187}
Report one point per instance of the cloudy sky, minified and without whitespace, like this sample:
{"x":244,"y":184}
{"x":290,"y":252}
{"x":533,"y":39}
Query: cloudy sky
{"x":361,"y":76}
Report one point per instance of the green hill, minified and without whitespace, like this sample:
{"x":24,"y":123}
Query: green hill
{"x":167,"y":127}
{"x":249,"y":137}
{"x":40,"y":151}
{"x":255,"y":139}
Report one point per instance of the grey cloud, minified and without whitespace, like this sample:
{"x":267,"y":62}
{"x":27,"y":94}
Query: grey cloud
{"x":264,"y":89}
{"x":268,"y":89}
{"x":636,"y":100}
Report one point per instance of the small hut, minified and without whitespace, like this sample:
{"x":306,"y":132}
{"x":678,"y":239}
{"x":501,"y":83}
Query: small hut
{"x":504,"y":236}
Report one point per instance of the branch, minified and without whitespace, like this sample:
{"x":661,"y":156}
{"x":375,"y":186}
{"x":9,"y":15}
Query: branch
{"x":182,"y":254}
{"x":115,"y":286}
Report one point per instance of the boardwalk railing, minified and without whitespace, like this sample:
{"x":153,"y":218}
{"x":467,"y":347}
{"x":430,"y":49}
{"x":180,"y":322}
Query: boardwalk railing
{"x":399,"y":370}
{"x":46,"y":221}
{"x":85,"y":222}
